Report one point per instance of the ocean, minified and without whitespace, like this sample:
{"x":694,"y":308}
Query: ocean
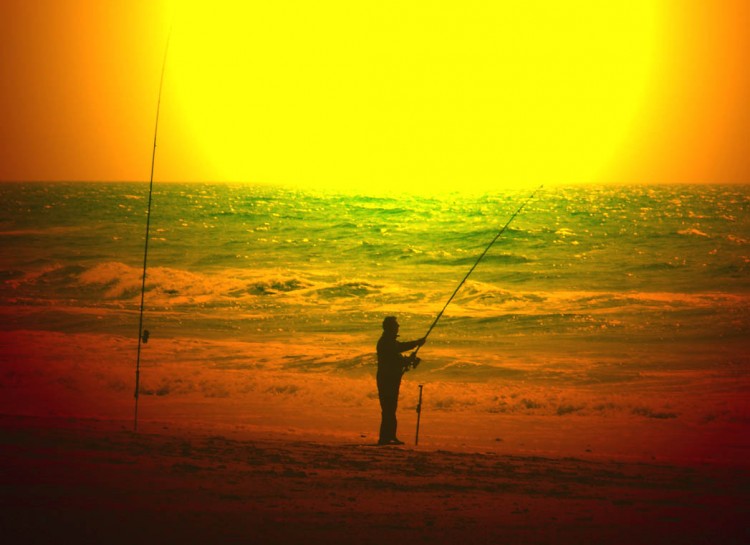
{"x":589,"y":285}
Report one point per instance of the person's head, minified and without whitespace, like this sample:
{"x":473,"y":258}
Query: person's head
{"x":390,"y":325}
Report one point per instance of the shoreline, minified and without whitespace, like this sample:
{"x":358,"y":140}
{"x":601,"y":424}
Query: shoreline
{"x":677,"y":416}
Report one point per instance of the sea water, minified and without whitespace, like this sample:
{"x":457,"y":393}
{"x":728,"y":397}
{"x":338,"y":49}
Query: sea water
{"x":587,"y":282}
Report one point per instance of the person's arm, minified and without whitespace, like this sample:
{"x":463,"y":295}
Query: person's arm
{"x":403,"y":347}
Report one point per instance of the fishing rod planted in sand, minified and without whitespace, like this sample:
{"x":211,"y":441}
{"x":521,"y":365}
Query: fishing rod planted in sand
{"x":419,"y":415}
{"x":144,"y":334}
{"x":413,"y":357}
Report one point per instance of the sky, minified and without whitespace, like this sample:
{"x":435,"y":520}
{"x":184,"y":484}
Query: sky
{"x":419,"y":96}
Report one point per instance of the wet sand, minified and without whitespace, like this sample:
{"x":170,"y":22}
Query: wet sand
{"x":96,"y":481}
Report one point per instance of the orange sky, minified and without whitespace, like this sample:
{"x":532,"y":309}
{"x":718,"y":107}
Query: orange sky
{"x":79,"y":82}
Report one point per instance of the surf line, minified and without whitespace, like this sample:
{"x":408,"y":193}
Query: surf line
{"x":143,"y":334}
{"x":414,"y":361}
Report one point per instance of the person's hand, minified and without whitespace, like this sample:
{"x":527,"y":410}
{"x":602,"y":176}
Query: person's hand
{"x":415,"y":361}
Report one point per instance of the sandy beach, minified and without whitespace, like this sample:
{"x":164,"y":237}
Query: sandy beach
{"x":95,"y":481}
{"x":226,"y":455}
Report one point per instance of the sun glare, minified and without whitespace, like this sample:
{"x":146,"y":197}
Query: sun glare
{"x":416,"y":96}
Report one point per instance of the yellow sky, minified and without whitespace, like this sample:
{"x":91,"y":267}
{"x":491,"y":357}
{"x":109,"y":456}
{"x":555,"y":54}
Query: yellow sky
{"x":421,"y":96}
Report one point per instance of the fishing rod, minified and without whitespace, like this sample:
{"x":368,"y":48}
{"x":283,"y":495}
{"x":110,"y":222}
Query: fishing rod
{"x":144,"y":334}
{"x":419,"y":415}
{"x":413,"y":356}
{"x":413,"y":360}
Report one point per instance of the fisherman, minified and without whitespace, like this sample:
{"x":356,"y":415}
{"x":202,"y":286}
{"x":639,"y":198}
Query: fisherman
{"x":391,"y":366}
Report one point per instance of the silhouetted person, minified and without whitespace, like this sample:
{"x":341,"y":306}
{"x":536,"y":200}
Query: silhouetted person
{"x":391,"y":366}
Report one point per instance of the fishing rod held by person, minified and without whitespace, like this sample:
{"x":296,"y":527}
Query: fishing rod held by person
{"x":412,"y":358}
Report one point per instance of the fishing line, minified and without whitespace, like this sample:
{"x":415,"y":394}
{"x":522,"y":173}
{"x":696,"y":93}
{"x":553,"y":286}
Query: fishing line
{"x":414,"y":354}
{"x":143,"y":335}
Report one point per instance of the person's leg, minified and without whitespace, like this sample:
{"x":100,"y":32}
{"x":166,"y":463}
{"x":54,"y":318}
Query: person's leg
{"x":394,"y":421}
{"x":388,"y":405}
{"x":388,"y":393}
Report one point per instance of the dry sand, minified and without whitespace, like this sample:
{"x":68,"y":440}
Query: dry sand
{"x":94,"y":481}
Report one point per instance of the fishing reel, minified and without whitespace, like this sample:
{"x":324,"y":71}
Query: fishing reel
{"x":411,"y":361}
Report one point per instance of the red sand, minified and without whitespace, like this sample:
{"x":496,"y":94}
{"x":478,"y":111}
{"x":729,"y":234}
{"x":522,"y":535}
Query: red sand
{"x":91,"y":481}
{"x":233,"y":447}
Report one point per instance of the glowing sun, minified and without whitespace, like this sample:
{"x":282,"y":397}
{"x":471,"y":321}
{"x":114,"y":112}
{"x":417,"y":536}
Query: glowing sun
{"x":418,"y":96}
